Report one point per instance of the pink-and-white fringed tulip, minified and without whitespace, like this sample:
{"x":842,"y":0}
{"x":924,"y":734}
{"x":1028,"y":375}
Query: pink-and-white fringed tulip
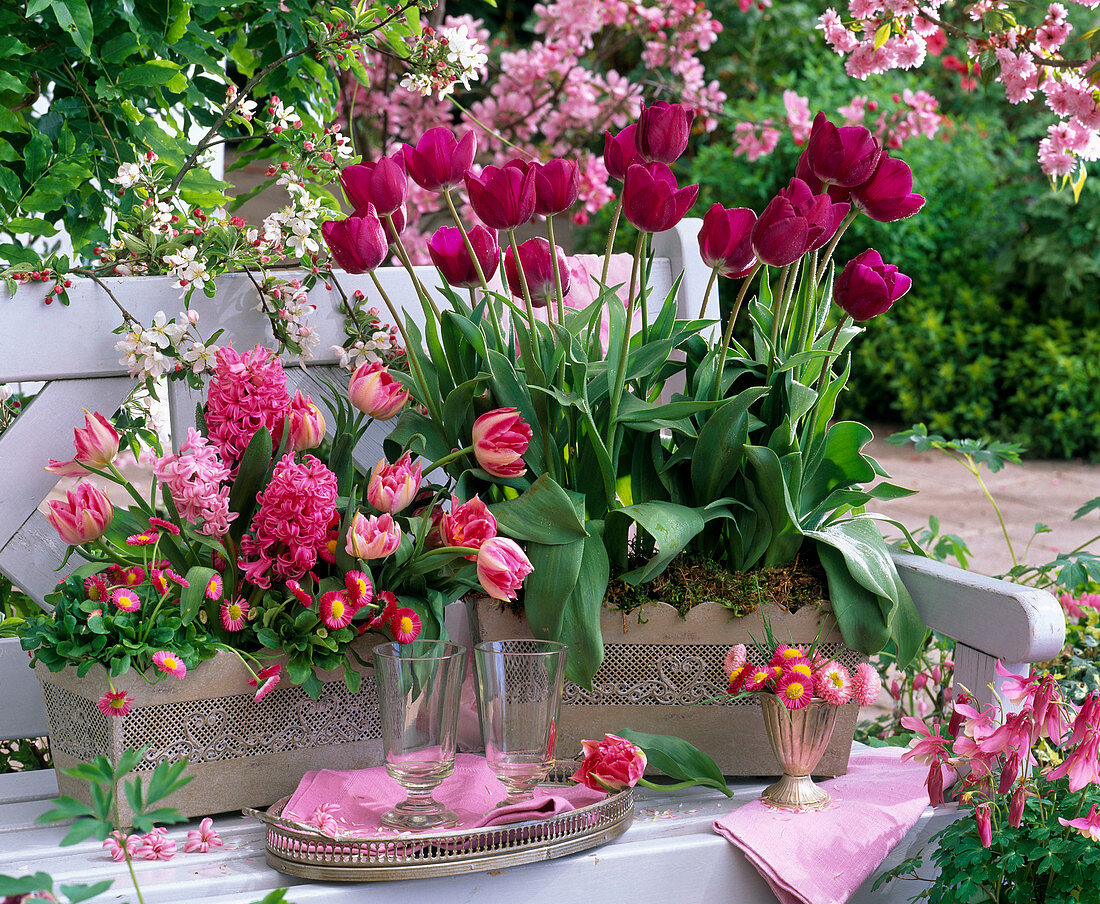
{"x":96,"y":445}
{"x":500,"y":440}
{"x":501,"y":567}
{"x":392,"y":487}
{"x":374,"y":392}
{"x":84,"y":516}
{"x":307,"y":424}
{"x":373,"y":536}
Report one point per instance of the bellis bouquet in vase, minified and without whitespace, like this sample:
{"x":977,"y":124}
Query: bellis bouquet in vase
{"x":550,"y":399}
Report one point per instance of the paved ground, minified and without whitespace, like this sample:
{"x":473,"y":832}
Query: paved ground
{"x":1044,"y":491}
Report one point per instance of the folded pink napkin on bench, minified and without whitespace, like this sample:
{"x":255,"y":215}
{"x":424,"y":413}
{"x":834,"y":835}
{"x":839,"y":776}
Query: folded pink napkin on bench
{"x":350,"y":802}
{"x":823,"y":856}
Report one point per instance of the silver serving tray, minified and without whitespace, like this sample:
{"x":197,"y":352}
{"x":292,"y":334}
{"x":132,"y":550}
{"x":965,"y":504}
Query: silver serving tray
{"x":303,"y":851}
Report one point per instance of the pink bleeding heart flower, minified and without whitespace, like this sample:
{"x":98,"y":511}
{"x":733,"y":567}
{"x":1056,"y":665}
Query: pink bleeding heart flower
{"x":96,"y":445}
{"x":611,"y":764}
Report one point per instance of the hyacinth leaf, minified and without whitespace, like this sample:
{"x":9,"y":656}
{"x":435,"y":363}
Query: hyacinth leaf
{"x":719,"y":451}
{"x":581,"y":621}
{"x":672,"y":526}
{"x":553,"y":580}
{"x":192,"y":595}
{"x":544,"y":513}
{"x":250,"y":480}
{"x":341,"y":464}
{"x":678,"y":759}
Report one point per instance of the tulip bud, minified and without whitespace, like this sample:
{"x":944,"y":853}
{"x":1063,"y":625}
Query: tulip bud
{"x":652,"y":201}
{"x":439,"y":160}
{"x":500,"y":439}
{"x":663,"y":131}
{"x":794,"y":222}
{"x":373,"y":536}
{"x":501,"y":567}
{"x":96,"y":445}
{"x":867,"y":287}
{"x":448,"y":252}
{"x":534,"y":257}
{"x":374,"y":392}
{"x":307,"y":424}
{"x":611,"y":764}
{"x":358,"y":243}
{"x":845,"y":156}
{"x":392,"y":487}
{"x":725,"y":240}
{"x":502,"y":197}
{"x":84,"y":516}
{"x":619,"y":152}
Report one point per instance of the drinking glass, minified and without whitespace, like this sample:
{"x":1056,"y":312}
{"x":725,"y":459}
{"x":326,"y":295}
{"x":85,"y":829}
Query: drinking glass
{"x":418,"y":688}
{"x":519,"y":685}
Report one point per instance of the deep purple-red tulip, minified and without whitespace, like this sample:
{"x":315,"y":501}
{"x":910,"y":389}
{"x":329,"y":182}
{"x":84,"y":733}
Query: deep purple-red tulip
{"x":663,"y":131}
{"x":439,"y":160}
{"x":794,"y":221}
{"x":619,"y":152}
{"x":397,"y":219}
{"x":381,"y":183}
{"x":534,"y":256}
{"x":358,"y":243}
{"x":725,"y":240}
{"x":845,"y":156}
{"x":449,"y":254}
{"x":557,"y":185}
{"x":652,"y":201}
{"x":502,"y":197}
{"x":867,"y":287}
{"x":888,"y":195}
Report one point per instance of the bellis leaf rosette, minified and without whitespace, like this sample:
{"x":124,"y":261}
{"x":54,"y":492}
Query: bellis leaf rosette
{"x":594,"y":462}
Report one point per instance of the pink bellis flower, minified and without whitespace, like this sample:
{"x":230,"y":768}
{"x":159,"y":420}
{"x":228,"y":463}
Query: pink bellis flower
{"x":96,"y":445}
{"x":266,"y":680}
{"x":170,"y":663}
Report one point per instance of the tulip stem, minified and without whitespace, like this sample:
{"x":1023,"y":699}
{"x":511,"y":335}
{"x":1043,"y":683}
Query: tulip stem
{"x":643,"y":288}
{"x":554,"y":263}
{"x":706,"y":295}
{"x":727,"y":337}
{"x":466,"y":239}
{"x":447,"y":459}
{"x":826,"y":367}
{"x":848,"y":220}
{"x":611,"y":240}
{"x":787,"y":290}
{"x":406,"y":261}
{"x":624,"y":350}
{"x":523,"y":283}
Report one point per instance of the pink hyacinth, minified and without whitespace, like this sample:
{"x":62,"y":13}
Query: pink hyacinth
{"x":196,"y":480}
{"x":156,"y":845}
{"x":291,"y":527}
{"x":246,"y":393}
{"x":119,"y":844}
{"x":200,"y":840}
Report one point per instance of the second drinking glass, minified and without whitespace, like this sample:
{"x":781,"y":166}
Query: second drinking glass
{"x":519,"y":685}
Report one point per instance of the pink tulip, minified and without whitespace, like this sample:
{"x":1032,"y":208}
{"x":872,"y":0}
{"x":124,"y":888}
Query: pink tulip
{"x":439,"y":160}
{"x":502,"y":197}
{"x":866,"y":288}
{"x":557,"y":185}
{"x":392,"y":487}
{"x":449,"y":254}
{"x":468,"y":524}
{"x":500,"y":440}
{"x":845,"y":156}
{"x":725,"y":240}
{"x":96,"y":445}
{"x":534,"y":257}
{"x":611,"y":764}
{"x":84,"y":516}
{"x":307,"y":424}
{"x":794,"y":222}
{"x":374,"y":392}
{"x":382,"y":184}
{"x":619,"y":152}
{"x":652,"y":200}
{"x":888,"y":195}
{"x":373,"y":536}
{"x":663,"y":131}
{"x":501,"y":567}
{"x":358,"y":243}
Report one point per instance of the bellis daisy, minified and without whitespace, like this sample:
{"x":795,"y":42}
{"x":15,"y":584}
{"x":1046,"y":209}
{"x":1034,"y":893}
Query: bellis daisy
{"x":834,"y":684}
{"x":335,"y":609}
{"x":115,"y":703}
{"x":359,"y":587}
{"x":735,"y":658}
{"x":304,"y":598}
{"x":169,"y":662}
{"x":126,"y":599}
{"x":405,"y":626}
{"x":96,"y":589}
{"x":758,"y":677}
{"x":794,"y":691}
{"x":866,"y":684}
{"x":214,"y":588}
{"x":234,"y":614}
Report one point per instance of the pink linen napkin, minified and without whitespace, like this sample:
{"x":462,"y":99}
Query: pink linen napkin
{"x":350,"y":802}
{"x":823,"y":856}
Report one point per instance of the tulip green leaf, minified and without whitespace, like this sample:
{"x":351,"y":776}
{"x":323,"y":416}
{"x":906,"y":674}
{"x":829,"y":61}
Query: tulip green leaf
{"x":512,"y":392}
{"x":672,"y":526}
{"x":772,"y":499}
{"x":191,"y":598}
{"x":720,"y":449}
{"x":552,"y":582}
{"x":836,"y":463}
{"x":581,"y":622}
{"x":468,"y":330}
{"x":678,"y":759}
{"x":544,"y":513}
{"x":417,"y":433}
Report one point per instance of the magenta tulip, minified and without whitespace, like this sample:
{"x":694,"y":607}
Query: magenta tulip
{"x":557,"y":185}
{"x":845,"y":156}
{"x":502,"y":197}
{"x":534,"y":257}
{"x":794,"y":221}
{"x":888,"y":195}
{"x":500,"y":440}
{"x":725,"y":240}
{"x":382,"y":184}
{"x":652,"y":201}
{"x":439,"y":160}
{"x":619,"y":152}
{"x":867,"y":287}
{"x":449,"y":254}
{"x":358,"y":243}
{"x":663,"y":131}
{"x":84,"y":516}
{"x":467,"y":524}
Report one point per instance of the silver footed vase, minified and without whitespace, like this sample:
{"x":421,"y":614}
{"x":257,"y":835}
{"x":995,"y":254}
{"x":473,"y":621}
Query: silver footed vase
{"x":798,"y":738}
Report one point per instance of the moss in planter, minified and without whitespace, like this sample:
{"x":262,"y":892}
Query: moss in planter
{"x":690,"y":580}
